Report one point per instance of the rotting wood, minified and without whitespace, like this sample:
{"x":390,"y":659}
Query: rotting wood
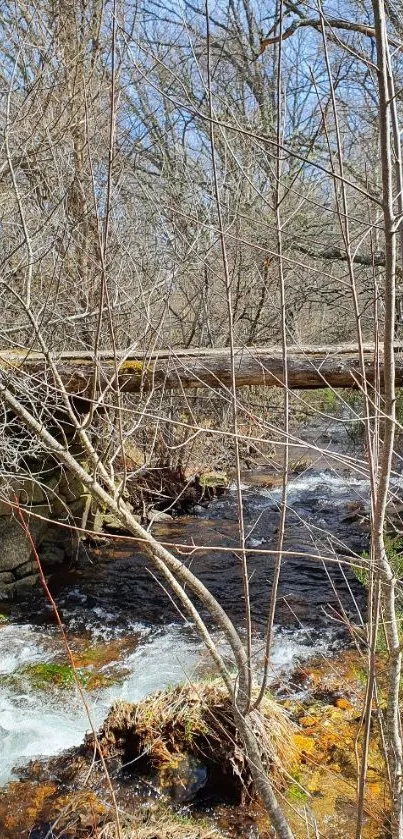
{"x":309,"y":367}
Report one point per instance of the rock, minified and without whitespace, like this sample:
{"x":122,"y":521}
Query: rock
{"x":21,"y":586}
{"x":51,"y":554}
{"x":98,"y":521}
{"x":301,"y":465}
{"x":25,"y":490}
{"x":6,"y":580}
{"x":69,"y":489}
{"x":351,"y":518}
{"x":58,"y":545}
{"x":198,"y":510}
{"x":21,"y":804}
{"x":25,"y":570}
{"x":15,"y":548}
{"x":50,"y":496}
{"x":158,"y":516}
{"x":212,"y":480}
{"x":6,"y":577}
{"x":32,"y":492}
{"x":108,"y":521}
{"x":182,"y":780}
{"x":75,"y":509}
{"x":255,"y":543}
{"x":271,"y":482}
{"x":112,"y":522}
{"x":5,"y":508}
{"x":355,"y":506}
{"x":133,"y":454}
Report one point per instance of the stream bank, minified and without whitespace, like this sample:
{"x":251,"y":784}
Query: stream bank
{"x":128,"y":639}
{"x":170,"y":771}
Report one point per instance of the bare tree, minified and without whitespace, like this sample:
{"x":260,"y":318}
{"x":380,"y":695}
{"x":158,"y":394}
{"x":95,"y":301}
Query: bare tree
{"x":193,"y":178}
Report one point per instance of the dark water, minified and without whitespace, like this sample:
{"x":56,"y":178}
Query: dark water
{"x":111,"y":590}
{"x":325,"y":518}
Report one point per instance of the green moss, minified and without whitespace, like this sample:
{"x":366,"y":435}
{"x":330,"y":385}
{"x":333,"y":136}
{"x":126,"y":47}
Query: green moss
{"x":361,"y":675}
{"x":360,"y":572}
{"x":295,"y":793}
{"x":3,"y":618}
{"x":394,"y":551}
{"x":188,"y":821}
{"x":134,"y":367}
{"x":191,"y":731}
{"x":212,"y":480}
{"x":95,"y":681}
{"x":43,"y":675}
{"x":330,"y":402}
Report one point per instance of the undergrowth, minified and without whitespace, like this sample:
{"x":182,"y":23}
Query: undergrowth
{"x":394,"y":551}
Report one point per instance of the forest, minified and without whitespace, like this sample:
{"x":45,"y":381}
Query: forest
{"x":201,"y":415}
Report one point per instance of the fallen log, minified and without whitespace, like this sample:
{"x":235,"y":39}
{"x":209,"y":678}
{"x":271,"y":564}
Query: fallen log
{"x":309,"y":367}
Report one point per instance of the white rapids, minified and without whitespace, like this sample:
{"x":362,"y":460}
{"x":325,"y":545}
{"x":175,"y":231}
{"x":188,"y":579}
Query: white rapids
{"x":34,"y":724}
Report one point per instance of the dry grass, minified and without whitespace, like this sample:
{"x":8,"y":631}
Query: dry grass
{"x":196,"y":719}
{"x":165,"y":736}
{"x":164,"y":827}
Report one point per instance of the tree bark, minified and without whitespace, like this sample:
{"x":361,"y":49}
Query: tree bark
{"x":308,"y":368}
{"x":176,"y":575}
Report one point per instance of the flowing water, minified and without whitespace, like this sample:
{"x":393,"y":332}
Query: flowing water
{"x":325,"y":520}
{"x":128,"y":636}
{"x":111,"y":603}
{"x":33,"y":725}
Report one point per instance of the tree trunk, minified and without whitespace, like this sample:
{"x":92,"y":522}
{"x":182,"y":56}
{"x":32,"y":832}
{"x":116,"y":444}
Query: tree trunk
{"x":308,"y":368}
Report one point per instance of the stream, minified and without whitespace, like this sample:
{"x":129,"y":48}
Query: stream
{"x":128,"y":636}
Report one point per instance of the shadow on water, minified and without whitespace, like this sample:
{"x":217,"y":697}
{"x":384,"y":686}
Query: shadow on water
{"x":325,"y":518}
{"x":112,"y":599}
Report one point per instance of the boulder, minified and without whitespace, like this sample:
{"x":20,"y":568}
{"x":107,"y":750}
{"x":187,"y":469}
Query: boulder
{"x":48,"y":497}
{"x":15,"y":547}
{"x":6,"y":583}
{"x":27,"y":569}
{"x":158,"y":517}
{"x":108,"y":521}
{"x":213,"y":480}
{"x":183,"y":779}
{"x":24,"y":584}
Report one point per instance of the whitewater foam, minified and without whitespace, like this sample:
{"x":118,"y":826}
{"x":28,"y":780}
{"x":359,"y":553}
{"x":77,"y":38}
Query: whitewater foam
{"x":33,"y":724}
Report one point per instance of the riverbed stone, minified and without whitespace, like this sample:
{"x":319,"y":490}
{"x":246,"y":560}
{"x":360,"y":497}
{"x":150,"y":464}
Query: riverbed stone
{"x":6,"y":579}
{"x":15,"y":547}
{"x":213,"y":480}
{"x":25,"y":583}
{"x":158,"y":516}
{"x":52,"y":554}
{"x":24,"y":570}
{"x":108,"y":521}
{"x":183,"y":778}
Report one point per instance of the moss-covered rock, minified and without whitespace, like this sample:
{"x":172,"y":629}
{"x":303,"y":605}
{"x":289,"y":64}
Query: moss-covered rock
{"x":164,"y":734}
{"x":213,"y":480}
{"x":43,"y":676}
